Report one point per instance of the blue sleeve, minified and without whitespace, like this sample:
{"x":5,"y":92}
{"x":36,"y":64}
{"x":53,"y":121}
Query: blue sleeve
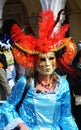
{"x":67,"y":121}
{"x":8,"y":108}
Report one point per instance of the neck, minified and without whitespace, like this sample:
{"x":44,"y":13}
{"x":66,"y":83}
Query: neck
{"x":45,"y":78}
{"x":45,"y":81}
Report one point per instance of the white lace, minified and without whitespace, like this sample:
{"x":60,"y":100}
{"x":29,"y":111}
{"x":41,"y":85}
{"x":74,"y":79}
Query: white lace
{"x":14,"y":123}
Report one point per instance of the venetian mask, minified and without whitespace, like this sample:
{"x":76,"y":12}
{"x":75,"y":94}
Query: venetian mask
{"x":46,"y":63}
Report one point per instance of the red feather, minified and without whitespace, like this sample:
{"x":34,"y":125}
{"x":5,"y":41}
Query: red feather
{"x":60,"y":34}
{"x":27,"y":42}
{"x":46,"y":23}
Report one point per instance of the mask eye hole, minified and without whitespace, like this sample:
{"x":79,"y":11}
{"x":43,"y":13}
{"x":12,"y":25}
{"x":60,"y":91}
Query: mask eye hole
{"x":51,"y":58}
{"x":42,"y":59}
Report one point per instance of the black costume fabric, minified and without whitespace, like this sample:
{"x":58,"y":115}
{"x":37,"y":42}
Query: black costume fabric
{"x":75,"y":88}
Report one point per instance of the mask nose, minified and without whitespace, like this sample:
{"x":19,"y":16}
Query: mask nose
{"x":47,"y":62}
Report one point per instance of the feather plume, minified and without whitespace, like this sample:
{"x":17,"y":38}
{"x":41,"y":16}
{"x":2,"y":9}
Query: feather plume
{"x":46,"y":23}
{"x":60,"y":34}
{"x":26,"y":41}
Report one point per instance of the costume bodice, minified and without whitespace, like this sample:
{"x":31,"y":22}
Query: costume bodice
{"x":40,"y":111}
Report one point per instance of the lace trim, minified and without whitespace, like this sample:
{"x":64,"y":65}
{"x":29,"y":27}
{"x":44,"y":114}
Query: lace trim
{"x":14,"y":123}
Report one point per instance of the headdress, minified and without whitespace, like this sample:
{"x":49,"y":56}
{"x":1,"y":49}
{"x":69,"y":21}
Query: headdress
{"x":27,"y":47}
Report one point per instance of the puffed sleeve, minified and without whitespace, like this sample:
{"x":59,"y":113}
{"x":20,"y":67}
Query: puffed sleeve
{"x":8,"y":113}
{"x":67,"y":121}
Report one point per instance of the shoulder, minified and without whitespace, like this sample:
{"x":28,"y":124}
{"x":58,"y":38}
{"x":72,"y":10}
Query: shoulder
{"x":22,"y":80}
{"x":61,"y":78}
{"x":63,"y":83}
{"x":20,"y":84}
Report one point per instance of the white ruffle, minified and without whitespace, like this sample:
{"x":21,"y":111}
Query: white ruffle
{"x":14,"y":123}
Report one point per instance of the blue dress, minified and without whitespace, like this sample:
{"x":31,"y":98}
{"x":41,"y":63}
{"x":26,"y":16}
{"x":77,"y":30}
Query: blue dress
{"x":40,"y":111}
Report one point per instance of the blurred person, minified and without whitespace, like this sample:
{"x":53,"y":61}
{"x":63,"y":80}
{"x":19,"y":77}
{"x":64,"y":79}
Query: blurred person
{"x":10,"y":70}
{"x":4,"y":87}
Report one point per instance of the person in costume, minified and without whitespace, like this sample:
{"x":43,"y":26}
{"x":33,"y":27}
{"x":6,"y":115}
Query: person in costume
{"x":11,"y":70}
{"x":4,"y":87}
{"x":46,"y":104}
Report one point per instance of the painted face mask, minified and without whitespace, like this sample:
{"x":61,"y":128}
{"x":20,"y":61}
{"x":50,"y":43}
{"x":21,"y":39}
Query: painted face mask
{"x":46,"y":63}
